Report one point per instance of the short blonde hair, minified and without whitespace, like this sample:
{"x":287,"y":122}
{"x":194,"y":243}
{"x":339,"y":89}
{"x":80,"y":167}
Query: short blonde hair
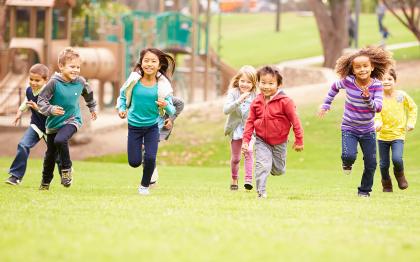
{"x":67,"y":54}
{"x":249,"y":72}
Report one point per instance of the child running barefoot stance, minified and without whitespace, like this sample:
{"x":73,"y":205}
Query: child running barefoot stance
{"x":359,"y":73}
{"x":398,"y":115}
{"x":242,"y":91}
{"x":271,"y":116}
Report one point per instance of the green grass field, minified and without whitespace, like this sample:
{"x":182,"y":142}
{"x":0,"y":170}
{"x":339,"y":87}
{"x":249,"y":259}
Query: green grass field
{"x":251,"y":39}
{"x":311,"y":214}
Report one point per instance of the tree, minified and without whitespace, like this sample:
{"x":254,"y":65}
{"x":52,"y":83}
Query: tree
{"x":2,"y":24}
{"x":331,"y":18}
{"x":407,"y":12}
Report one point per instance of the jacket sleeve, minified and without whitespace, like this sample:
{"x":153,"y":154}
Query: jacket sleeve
{"x":411,"y":108}
{"x":231,"y":104}
{"x":179,"y":106}
{"x":335,"y":88}
{"x":290,"y":110}
{"x":44,"y":98}
{"x":169,"y":108}
{"x":87,"y":94}
{"x":249,"y":125}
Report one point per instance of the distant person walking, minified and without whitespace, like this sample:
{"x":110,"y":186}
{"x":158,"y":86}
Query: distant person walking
{"x":380,"y":12}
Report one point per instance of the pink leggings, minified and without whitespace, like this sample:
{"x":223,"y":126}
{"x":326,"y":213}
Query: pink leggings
{"x":235,"y":146}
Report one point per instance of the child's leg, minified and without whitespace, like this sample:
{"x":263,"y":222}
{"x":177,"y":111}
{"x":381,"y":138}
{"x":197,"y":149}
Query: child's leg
{"x":61,"y":141}
{"x":249,"y":161}
{"x":368,"y":146}
{"x":263,"y":164}
{"x":279,"y":159}
{"x":29,"y":140}
{"x":348,"y":148}
{"x":397,"y":148}
{"x":135,"y":145}
{"x":151,"y":141}
{"x":49,"y":160}
{"x":235,"y":158}
{"x":383,"y":148}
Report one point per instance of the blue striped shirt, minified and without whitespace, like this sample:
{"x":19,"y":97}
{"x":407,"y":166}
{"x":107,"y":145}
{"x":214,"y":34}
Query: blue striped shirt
{"x":359,"y":112}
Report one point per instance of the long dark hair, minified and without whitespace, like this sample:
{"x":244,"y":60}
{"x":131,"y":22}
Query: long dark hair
{"x":166,"y":62}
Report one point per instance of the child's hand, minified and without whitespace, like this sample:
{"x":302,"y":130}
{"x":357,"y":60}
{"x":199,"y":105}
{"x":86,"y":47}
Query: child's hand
{"x":244,"y":148}
{"x":32,"y":105}
{"x":378,"y":127}
{"x":122,"y":114}
{"x":58,"y":111}
{"x":17,"y":118}
{"x":93,"y":115}
{"x":322,"y":112}
{"x":168,"y":124}
{"x":410,"y":127}
{"x":365,"y":92}
{"x":297,"y":147}
{"x":244,"y":96}
{"x":161,"y":103}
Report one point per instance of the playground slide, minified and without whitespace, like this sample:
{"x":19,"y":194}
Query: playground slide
{"x":10,"y":96}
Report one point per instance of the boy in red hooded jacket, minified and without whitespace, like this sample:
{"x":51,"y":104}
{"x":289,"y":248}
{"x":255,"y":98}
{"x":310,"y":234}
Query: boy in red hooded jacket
{"x":271,"y":115}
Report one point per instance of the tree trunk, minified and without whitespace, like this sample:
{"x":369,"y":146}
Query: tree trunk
{"x":2,"y":24}
{"x":332,"y":24}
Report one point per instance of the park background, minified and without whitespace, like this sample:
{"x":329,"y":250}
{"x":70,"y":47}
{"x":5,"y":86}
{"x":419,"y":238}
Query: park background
{"x":311,"y":214}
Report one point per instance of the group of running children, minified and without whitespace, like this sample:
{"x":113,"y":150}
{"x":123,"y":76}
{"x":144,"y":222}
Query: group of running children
{"x":260,"y":116}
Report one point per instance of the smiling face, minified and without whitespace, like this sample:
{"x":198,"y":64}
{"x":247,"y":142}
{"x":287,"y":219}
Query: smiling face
{"x":36,"y":81}
{"x":245,"y":84}
{"x":362,"y":68}
{"x":71,"y":69}
{"x":150,"y":64}
{"x":388,"y":82}
{"x":268,"y":85}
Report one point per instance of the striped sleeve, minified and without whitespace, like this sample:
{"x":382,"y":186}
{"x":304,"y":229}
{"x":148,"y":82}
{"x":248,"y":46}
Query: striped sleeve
{"x":374,"y":101}
{"x":335,"y":88}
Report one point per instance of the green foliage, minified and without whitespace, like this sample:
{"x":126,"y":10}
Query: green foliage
{"x":410,"y":53}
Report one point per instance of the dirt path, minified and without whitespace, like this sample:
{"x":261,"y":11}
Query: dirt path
{"x":113,"y":140}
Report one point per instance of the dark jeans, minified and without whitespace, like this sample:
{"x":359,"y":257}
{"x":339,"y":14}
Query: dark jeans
{"x":148,"y":135}
{"x":397,"y":149}
{"x":57,"y":143}
{"x":349,"y":152}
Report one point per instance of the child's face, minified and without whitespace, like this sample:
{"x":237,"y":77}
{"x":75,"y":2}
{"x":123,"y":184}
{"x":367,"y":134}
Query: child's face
{"x":362,"y":67}
{"x":36,"y":81}
{"x":388,"y":82}
{"x":268,"y":85}
{"x":150,"y":64}
{"x":70,"y":70}
{"x":245,"y":84}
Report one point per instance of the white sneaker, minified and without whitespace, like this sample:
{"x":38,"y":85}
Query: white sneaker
{"x":263,"y":195}
{"x":347,"y":170}
{"x":143,"y":190}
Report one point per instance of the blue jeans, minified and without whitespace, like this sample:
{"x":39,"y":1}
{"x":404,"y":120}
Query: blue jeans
{"x":349,"y":152}
{"x":57,"y":146}
{"x":397,"y":149}
{"x":28,"y":141}
{"x":137,"y":136}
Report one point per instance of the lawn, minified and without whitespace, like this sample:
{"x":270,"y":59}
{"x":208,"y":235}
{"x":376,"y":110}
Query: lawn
{"x":251,"y":39}
{"x":311,"y":214}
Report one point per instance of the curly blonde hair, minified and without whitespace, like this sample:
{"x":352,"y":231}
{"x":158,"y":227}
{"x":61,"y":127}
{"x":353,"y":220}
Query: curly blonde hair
{"x":380,"y":59}
{"x":249,"y":72}
{"x":66,"y":55}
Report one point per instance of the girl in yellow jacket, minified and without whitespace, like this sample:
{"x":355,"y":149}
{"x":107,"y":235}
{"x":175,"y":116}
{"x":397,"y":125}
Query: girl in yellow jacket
{"x":398,"y":115}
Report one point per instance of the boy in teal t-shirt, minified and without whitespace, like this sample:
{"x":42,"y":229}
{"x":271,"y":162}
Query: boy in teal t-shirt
{"x":59,"y":101}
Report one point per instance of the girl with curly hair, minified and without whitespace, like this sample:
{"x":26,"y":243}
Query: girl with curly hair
{"x":359,"y":73}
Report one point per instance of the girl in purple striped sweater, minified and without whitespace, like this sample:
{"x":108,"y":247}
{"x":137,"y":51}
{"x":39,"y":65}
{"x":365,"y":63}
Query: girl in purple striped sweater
{"x":359,"y":73}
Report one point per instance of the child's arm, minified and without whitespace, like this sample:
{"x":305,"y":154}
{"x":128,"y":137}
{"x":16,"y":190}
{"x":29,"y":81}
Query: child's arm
{"x":167,"y":105}
{"x":87,"y":94}
{"x":411,"y":107}
{"x":44,"y":98}
{"x":378,"y":122}
{"x":122,"y":102}
{"x":249,"y":128}
{"x":231,"y":103}
{"x":374,"y":103}
{"x":326,"y":106}
{"x":290,"y":111}
{"x":179,"y":106}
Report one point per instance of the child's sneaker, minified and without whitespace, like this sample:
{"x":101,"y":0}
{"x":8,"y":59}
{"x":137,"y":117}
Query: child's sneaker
{"x":143,"y":190}
{"x":66,"y":178}
{"x":347,"y":170}
{"x":262,"y":195}
{"x":12,"y":180}
{"x":44,"y":186}
{"x":248,"y":186}
{"x":363,"y":194}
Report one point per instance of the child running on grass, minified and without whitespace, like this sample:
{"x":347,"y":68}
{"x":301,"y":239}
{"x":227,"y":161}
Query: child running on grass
{"x":59,"y":100}
{"x":359,"y":73}
{"x":38,"y":77}
{"x":145,"y":95}
{"x":166,"y":124}
{"x":271,"y":115}
{"x":398,"y":115}
{"x":241,"y":93}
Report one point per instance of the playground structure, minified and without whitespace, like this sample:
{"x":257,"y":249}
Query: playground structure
{"x":108,"y":59}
